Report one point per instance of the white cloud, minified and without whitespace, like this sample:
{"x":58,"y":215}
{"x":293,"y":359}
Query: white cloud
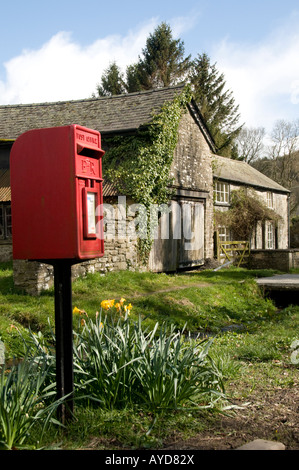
{"x":264,"y":77}
{"x":182,"y":24}
{"x":62,"y":69}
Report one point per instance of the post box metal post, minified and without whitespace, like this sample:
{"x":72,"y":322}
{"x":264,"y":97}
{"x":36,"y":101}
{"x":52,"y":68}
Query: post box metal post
{"x":64,"y":337}
{"x":56,"y":187}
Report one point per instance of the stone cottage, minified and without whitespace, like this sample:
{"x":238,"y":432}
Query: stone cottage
{"x":231,"y":175}
{"x":185,"y":235}
{"x":269,"y":241}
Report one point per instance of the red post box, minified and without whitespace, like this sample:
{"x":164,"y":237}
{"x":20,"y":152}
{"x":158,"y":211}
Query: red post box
{"x":56,"y":186}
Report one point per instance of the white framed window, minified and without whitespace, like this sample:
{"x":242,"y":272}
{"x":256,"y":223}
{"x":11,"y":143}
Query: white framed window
{"x":270,"y":234}
{"x":224,"y":234}
{"x":221,"y":192}
{"x":270,"y":200}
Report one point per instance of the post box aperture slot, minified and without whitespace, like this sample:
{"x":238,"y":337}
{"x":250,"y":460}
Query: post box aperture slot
{"x":90,"y":203}
{"x":88,"y":152}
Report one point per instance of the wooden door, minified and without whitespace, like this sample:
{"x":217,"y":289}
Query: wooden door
{"x":179,"y":239}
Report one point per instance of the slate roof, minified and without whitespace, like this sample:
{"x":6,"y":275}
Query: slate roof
{"x":241,"y":172}
{"x":118,"y":113}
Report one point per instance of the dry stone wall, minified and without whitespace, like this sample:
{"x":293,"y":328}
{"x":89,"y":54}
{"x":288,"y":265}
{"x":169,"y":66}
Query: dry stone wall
{"x":282,"y":260}
{"x":5,"y":252}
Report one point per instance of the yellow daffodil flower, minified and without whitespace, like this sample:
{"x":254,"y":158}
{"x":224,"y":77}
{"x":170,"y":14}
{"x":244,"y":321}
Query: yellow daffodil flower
{"x":76,"y":310}
{"x":106,"y":304}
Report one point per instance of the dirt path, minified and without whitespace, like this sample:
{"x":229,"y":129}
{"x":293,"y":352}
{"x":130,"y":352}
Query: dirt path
{"x":271,"y":415}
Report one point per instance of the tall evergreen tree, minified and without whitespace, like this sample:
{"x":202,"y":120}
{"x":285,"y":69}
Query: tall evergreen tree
{"x":112,"y":82}
{"x":162,"y":63}
{"x":132,"y":79}
{"x":216,"y":104}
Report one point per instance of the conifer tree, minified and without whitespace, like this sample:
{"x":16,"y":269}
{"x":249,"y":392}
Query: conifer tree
{"x":216,"y":104}
{"x":112,"y":82}
{"x":132,"y":79}
{"x":162,"y":62}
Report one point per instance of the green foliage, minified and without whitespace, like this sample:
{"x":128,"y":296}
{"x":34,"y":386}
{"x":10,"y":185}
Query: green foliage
{"x":112,"y":82}
{"x":222,"y":299}
{"x":209,"y":309}
{"x":216,"y":104}
{"x":121,"y":364}
{"x":26,"y":401}
{"x":139,"y":165}
{"x":244,"y":213}
{"x":162,"y":63}
{"x":11,"y":334}
{"x":257,"y":356}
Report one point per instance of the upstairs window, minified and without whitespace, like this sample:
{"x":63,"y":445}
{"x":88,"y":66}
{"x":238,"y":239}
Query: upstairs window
{"x":270,"y":200}
{"x":221,"y":193}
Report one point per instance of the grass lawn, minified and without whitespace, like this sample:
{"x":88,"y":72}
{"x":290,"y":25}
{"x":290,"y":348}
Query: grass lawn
{"x":255,"y":359}
{"x":203,"y":301}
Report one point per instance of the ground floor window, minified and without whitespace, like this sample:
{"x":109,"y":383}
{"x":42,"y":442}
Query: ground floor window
{"x":224,"y":234}
{"x":270,"y":236}
{"x":5,"y":221}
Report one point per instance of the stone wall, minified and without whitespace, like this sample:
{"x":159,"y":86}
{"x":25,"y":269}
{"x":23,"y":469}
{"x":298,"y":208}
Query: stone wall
{"x":120,"y":254}
{"x":32,"y":277}
{"x":5,"y":251}
{"x":282,"y":260}
{"x":192,"y":170}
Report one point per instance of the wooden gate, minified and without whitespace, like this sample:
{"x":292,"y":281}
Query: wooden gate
{"x":235,"y":251}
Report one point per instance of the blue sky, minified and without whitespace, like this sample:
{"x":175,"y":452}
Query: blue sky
{"x":52,"y":51}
